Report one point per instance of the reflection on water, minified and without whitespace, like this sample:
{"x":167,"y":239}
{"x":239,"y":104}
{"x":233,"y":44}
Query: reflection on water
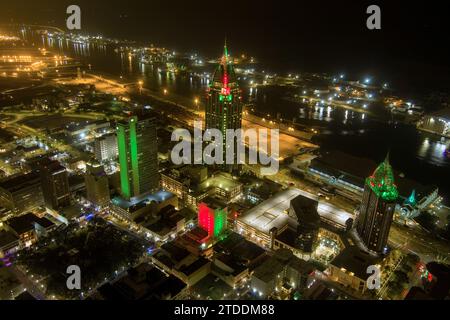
{"x":106,"y":59}
{"x":434,"y":151}
{"x":342,"y":129}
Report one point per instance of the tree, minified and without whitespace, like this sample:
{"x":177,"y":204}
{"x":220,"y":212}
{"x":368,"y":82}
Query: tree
{"x":428,"y":221}
{"x":395,"y":288}
{"x":401,"y":277}
{"x":412,"y":258}
{"x":406,"y":268}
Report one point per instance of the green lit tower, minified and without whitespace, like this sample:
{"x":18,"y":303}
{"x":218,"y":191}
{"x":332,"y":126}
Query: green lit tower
{"x":377,"y":208}
{"x":224,"y":107}
{"x":138,"y":157}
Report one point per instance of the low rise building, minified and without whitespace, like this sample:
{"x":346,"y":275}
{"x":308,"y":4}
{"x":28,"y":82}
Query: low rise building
{"x":349,"y":268}
{"x":9,"y":243}
{"x":22,"y":193}
{"x":28,"y":228}
{"x":147,"y":205}
{"x":181,"y":263}
{"x":437,"y":122}
{"x":191,"y":185}
{"x":281,"y":269}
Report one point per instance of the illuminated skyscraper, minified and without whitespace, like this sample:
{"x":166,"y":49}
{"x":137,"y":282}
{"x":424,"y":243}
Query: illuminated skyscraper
{"x":138,"y":157}
{"x":213,"y":220}
{"x":377,"y":208}
{"x":224,"y":107}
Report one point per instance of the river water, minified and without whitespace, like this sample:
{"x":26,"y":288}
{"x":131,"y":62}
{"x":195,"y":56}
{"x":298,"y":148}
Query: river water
{"x":420,"y":156}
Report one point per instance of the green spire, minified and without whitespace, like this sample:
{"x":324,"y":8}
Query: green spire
{"x":382,"y":181}
{"x":225,"y":49}
{"x":386,"y":160}
{"x":225,"y":55}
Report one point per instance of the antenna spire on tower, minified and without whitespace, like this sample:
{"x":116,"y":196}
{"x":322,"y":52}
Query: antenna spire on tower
{"x":386,"y":160}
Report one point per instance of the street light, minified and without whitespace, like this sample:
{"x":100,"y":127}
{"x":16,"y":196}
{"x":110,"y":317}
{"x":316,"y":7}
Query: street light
{"x":141,"y":83}
{"x":166,"y":92}
{"x":196,"y":101}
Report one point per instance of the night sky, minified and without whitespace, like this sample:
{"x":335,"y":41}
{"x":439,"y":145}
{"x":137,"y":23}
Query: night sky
{"x":325,"y":36}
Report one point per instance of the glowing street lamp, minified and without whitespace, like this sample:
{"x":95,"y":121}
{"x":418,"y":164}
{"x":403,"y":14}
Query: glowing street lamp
{"x":166,"y":92}
{"x":141,"y":83}
{"x":196,"y":101}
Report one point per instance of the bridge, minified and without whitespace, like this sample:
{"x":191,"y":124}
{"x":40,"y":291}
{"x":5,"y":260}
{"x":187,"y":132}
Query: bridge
{"x":36,"y":26}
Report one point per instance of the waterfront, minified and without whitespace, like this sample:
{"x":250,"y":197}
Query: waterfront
{"x":420,"y":156}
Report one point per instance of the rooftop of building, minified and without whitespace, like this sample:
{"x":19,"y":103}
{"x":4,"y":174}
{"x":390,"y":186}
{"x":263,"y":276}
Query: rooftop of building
{"x":96,"y":170}
{"x":289,"y":236}
{"x":235,"y":265}
{"x":355,"y":260}
{"x":228,"y":243}
{"x":26,"y":222}
{"x":160,"y":228}
{"x":262,"y":188}
{"x":157,"y":197}
{"x":18,"y":182}
{"x":175,"y":252}
{"x":193,"y":267}
{"x":272,"y":212}
{"x":268,"y":270}
{"x":222,"y":180}
{"x":319,"y":291}
{"x":195,"y":236}
{"x":211,"y":287}
{"x":306,"y":210}
{"x":247,"y":252}
{"x":214,"y":202}
{"x":7,"y":238}
{"x":73,"y":127}
{"x":53,"y":166}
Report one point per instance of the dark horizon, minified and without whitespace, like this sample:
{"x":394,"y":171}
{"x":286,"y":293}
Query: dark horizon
{"x":294,"y":36}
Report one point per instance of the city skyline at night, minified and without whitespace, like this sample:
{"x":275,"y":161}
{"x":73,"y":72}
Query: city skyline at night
{"x":119,"y":180}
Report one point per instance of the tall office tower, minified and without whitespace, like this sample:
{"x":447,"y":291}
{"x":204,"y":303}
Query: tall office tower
{"x":377,"y":208}
{"x":305,"y":211}
{"x":138,"y":157}
{"x":55,"y":184}
{"x":224,"y":107}
{"x":105,"y":148}
{"x":97,"y":185}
